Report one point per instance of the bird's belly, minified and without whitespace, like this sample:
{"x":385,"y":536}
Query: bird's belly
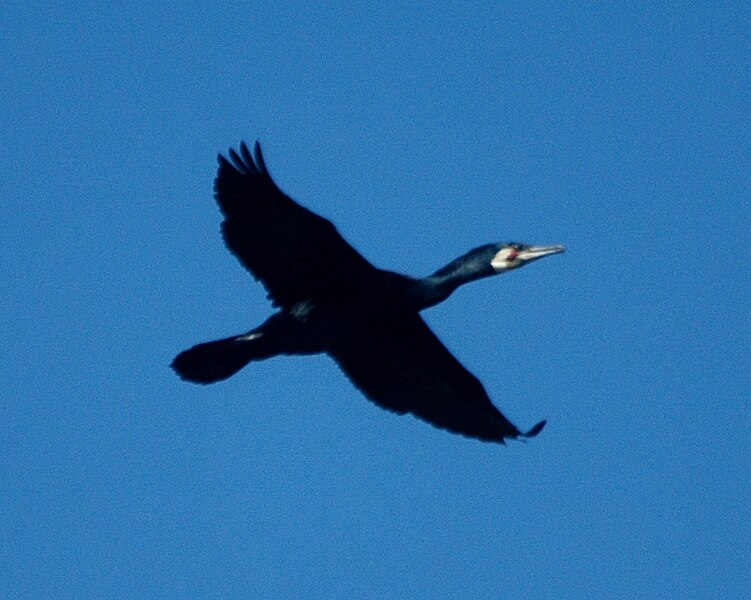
{"x":324,"y":327}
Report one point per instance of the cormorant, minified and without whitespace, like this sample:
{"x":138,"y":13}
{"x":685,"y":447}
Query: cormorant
{"x":331,"y":300}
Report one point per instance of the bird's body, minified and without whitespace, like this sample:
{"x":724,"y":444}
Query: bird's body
{"x":331,"y":300}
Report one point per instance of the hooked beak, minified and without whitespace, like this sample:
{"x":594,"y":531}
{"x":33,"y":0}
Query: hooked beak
{"x":535,"y":252}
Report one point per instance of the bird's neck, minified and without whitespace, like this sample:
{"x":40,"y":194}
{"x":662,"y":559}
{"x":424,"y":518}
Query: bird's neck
{"x":435,"y":288}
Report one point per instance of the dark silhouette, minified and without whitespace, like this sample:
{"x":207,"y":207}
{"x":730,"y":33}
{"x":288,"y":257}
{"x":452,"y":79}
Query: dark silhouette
{"x":332,"y":300}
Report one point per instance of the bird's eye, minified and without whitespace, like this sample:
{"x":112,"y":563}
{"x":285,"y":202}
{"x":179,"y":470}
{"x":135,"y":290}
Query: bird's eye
{"x":512,"y":254}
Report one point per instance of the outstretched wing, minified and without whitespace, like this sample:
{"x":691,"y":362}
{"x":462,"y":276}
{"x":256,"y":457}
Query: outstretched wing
{"x":402,"y":366}
{"x":295,"y":253}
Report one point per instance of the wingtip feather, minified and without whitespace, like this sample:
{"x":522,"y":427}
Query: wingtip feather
{"x":259,"y":158}
{"x":247,"y":157}
{"x":237,"y":162}
{"x":535,"y":430}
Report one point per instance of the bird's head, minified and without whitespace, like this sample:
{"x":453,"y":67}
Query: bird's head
{"x":492,"y":259}
{"x":512,"y":255}
{"x":479,"y":263}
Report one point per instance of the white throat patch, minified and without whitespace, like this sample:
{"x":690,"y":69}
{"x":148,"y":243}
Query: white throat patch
{"x":505,"y":258}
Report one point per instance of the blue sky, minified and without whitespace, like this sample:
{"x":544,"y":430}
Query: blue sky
{"x":421,"y":132}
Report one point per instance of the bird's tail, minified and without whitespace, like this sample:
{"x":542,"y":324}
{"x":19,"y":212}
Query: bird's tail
{"x":214,"y":361}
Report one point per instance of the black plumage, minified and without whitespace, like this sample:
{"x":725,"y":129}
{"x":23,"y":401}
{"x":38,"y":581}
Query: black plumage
{"x":332,"y":300}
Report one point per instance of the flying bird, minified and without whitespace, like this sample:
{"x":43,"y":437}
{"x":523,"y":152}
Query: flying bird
{"x":332,"y":300}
